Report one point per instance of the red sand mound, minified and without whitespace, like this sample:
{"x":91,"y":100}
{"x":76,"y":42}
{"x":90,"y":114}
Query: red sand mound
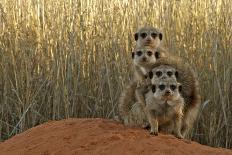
{"x":98,"y":136}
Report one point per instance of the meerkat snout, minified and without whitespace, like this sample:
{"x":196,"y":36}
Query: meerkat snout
{"x":168,"y":92}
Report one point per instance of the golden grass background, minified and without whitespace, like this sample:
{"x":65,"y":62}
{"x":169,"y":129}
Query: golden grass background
{"x":72,"y":58}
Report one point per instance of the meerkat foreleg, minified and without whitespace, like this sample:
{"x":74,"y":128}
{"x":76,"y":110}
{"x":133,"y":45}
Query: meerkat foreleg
{"x":177,"y":126}
{"x":153,"y":121}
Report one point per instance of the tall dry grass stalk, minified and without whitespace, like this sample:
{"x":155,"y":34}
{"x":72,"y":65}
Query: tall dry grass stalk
{"x":61,"y":59}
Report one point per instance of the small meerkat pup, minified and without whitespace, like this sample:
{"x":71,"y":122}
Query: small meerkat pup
{"x":164,"y":105}
{"x":190,"y":87}
{"x":148,"y":36}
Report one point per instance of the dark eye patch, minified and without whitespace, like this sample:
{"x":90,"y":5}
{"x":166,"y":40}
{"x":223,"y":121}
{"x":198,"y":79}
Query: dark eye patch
{"x":139,"y":53}
{"x":157,"y":55}
{"x":158,"y":73}
{"x":180,"y":88}
{"x":153,"y":35}
{"x":150,"y":74}
{"x":136,"y":36}
{"x":173,"y":87}
{"x":176,"y":74}
{"x":162,"y":87}
{"x":143,"y":35}
{"x":169,"y":73}
{"x":153,"y":88}
{"x":149,"y":53}
{"x":160,"y":36}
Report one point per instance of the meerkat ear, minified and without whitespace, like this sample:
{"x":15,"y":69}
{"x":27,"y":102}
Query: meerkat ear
{"x":180,"y":88}
{"x":133,"y":55}
{"x":150,"y":74}
{"x":160,"y":36}
{"x":136,"y":35}
{"x":176,"y":74}
{"x":157,"y":54}
{"x":153,"y":88}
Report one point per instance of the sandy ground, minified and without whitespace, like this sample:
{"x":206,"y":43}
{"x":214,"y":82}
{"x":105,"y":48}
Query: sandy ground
{"x":100,"y":137}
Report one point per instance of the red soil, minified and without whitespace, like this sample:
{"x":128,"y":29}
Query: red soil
{"x":99,"y":136}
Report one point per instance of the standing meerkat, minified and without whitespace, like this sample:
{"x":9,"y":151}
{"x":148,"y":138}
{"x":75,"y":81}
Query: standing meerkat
{"x":190,"y":88}
{"x":164,"y":105}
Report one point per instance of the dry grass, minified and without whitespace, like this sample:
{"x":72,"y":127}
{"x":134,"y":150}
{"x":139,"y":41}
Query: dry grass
{"x":61,"y":59}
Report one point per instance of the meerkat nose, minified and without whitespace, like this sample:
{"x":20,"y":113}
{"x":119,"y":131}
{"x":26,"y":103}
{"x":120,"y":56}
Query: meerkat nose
{"x":168,"y":92}
{"x":148,"y":38}
{"x":144,"y":59}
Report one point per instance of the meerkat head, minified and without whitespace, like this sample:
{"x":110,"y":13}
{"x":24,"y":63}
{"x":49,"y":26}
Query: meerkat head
{"x":163,"y":72}
{"x":148,"y":36}
{"x":167,"y":89}
{"x":145,"y":56}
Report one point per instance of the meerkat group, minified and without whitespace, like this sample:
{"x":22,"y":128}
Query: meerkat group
{"x":164,"y":93}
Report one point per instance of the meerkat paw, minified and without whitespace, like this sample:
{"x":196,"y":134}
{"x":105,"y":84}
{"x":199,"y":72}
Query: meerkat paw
{"x":154,"y":133}
{"x":179,"y":136}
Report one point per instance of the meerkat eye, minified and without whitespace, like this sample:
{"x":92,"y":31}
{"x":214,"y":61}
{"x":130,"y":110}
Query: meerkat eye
{"x":162,"y":87}
{"x":169,"y":73}
{"x":173,"y":87}
{"x":149,"y":53}
{"x":143,"y":35}
{"x":153,"y":35}
{"x":139,"y":53}
{"x":158,"y":73}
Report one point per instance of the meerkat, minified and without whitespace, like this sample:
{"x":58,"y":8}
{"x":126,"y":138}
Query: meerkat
{"x":148,"y":36}
{"x":164,"y":105}
{"x":143,"y":60}
{"x":190,"y":88}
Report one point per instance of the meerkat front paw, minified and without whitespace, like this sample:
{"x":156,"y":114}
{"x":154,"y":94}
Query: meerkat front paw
{"x":154,"y":133}
{"x":179,"y":136}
